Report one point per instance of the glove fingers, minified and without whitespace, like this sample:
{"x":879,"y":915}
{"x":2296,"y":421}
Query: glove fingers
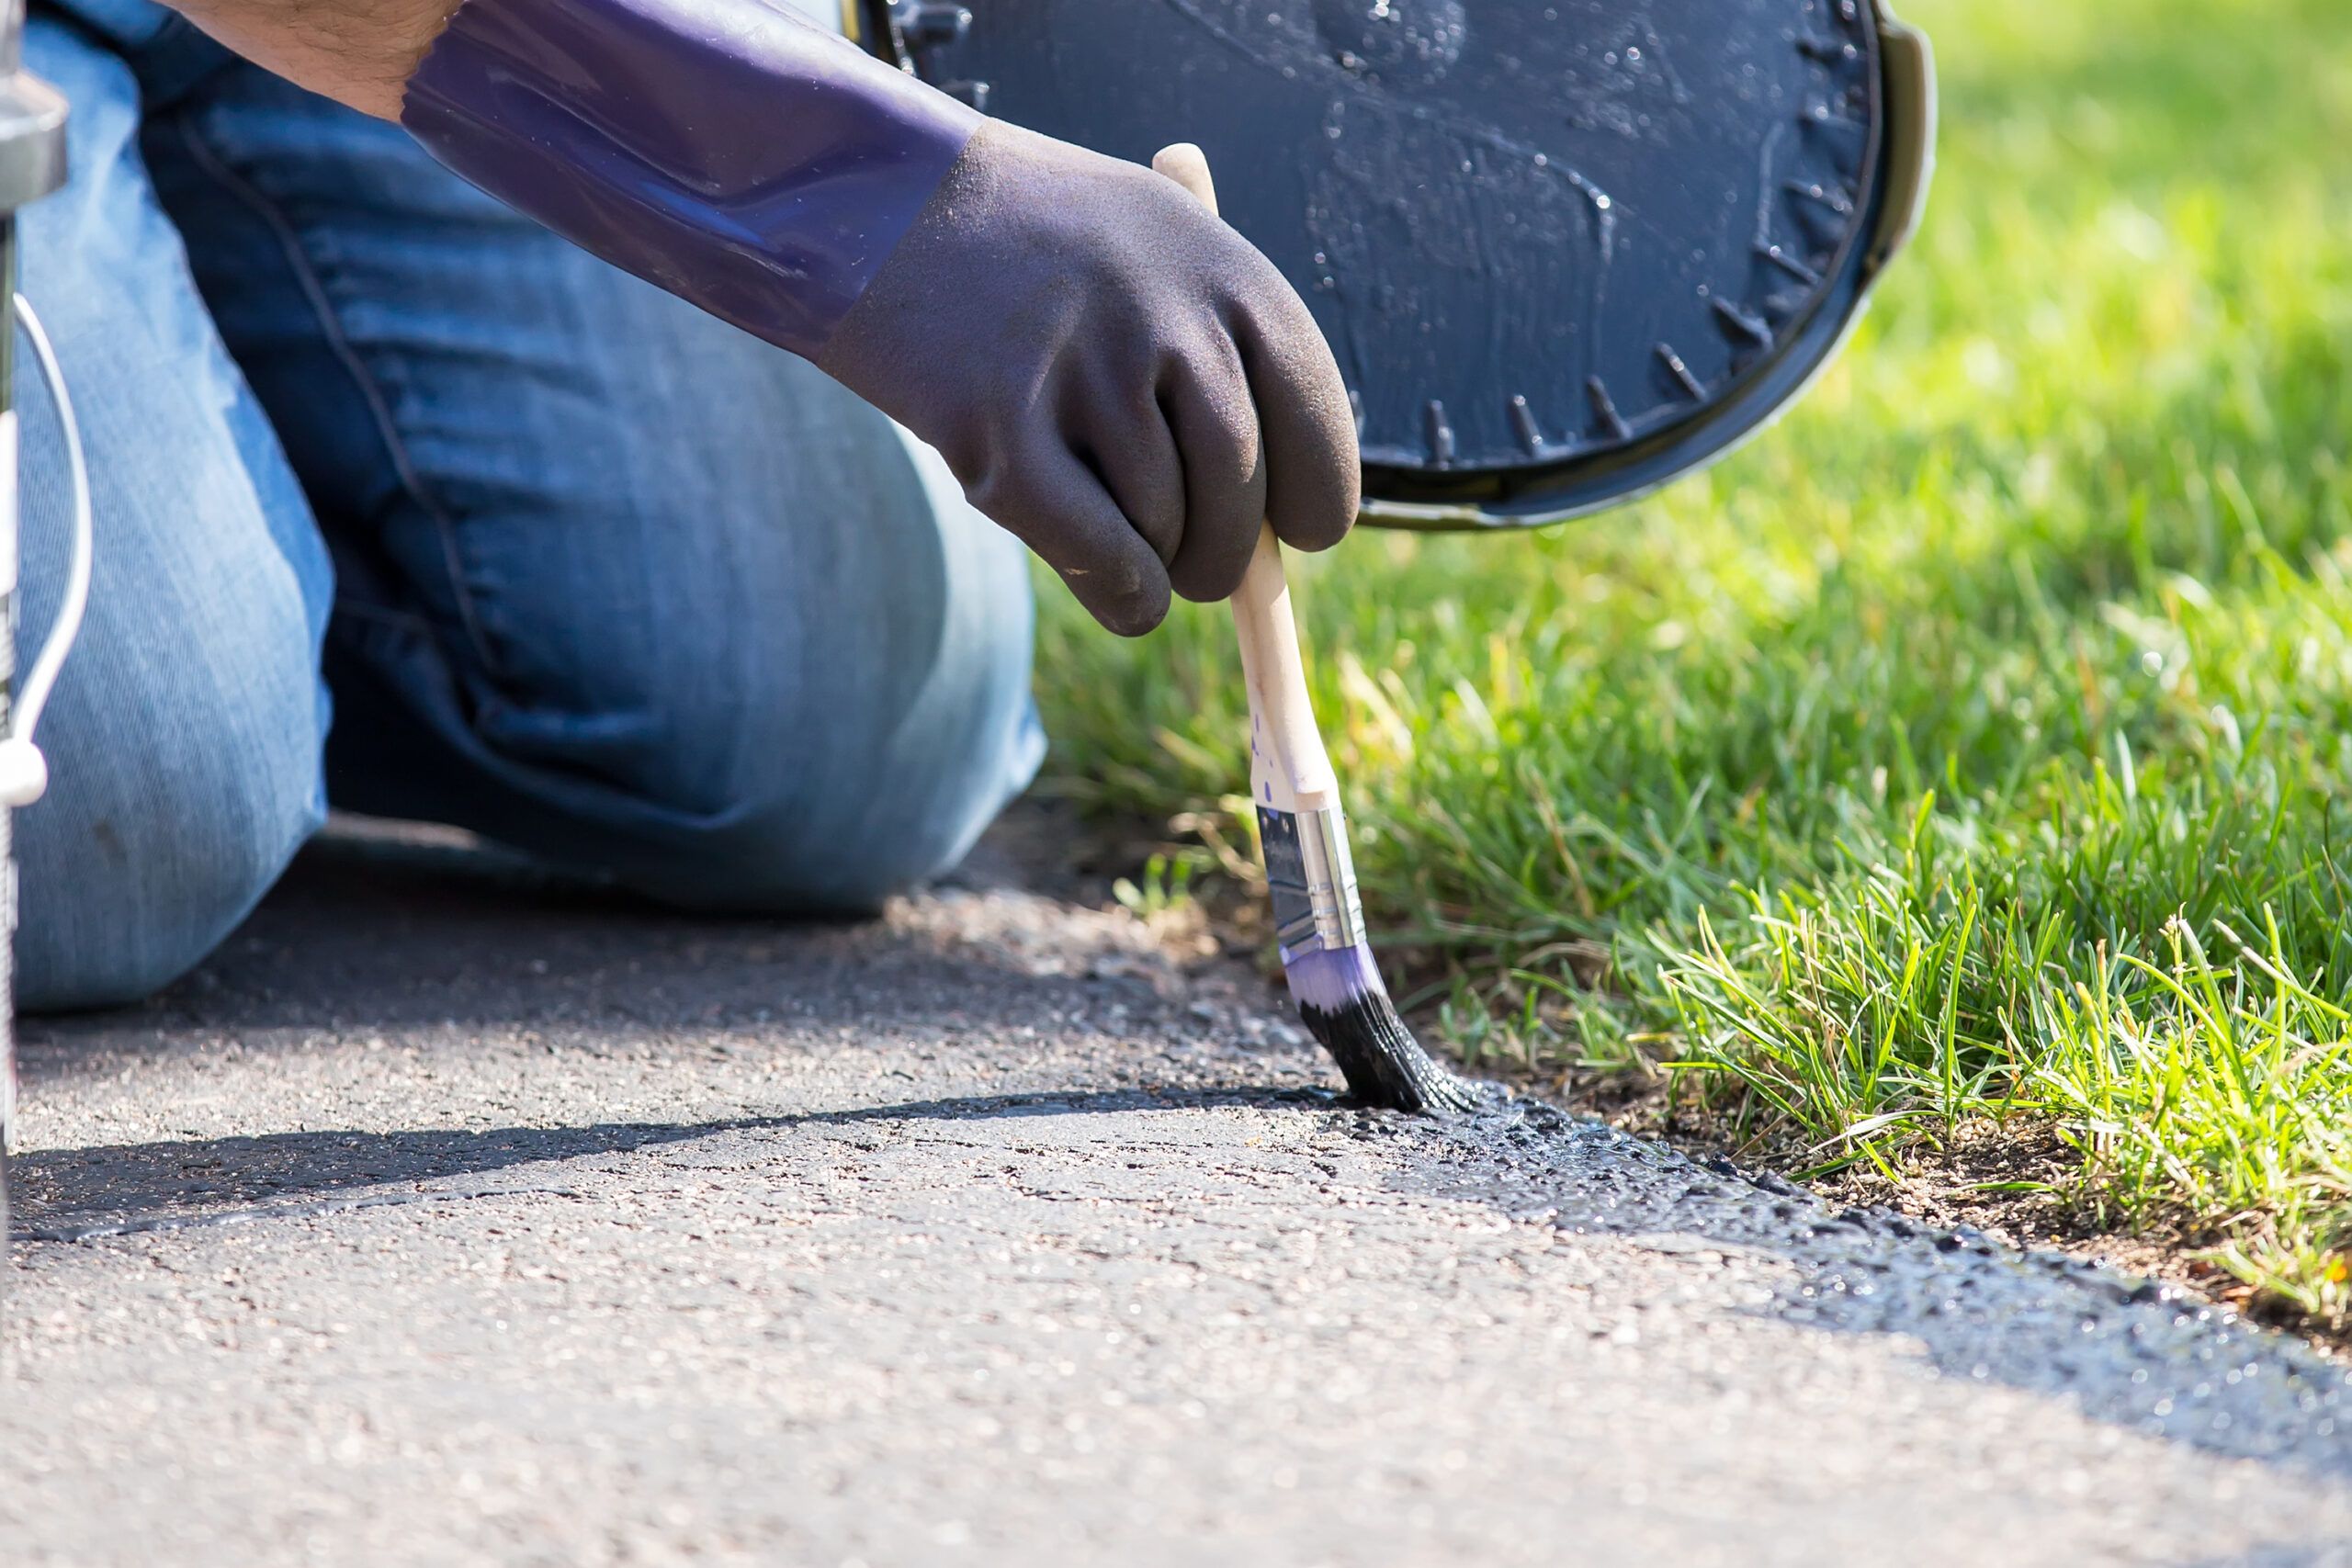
{"x":1135,"y":455}
{"x":1204,"y":396}
{"x":1059,"y":509}
{"x":1313,"y":481}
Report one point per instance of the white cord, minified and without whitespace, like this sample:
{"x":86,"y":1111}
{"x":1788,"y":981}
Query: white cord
{"x":24,"y":774}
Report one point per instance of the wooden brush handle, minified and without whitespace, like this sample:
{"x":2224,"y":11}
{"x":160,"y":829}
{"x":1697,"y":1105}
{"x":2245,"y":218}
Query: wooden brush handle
{"x":1288,"y":767}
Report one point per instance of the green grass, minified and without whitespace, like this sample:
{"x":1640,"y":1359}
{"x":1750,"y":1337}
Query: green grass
{"x":1968,"y":748}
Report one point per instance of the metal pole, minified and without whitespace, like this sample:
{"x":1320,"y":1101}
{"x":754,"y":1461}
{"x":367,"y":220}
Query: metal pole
{"x":32,"y":164}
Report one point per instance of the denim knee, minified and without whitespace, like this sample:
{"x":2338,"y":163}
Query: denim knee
{"x":184,"y":774}
{"x":184,"y":734}
{"x":184,"y":746}
{"x":875,"y":764}
{"x":745,"y":649}
{"x":107,"y":930}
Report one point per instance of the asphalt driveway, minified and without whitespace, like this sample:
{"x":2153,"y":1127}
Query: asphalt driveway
{"x":449,"y":1217}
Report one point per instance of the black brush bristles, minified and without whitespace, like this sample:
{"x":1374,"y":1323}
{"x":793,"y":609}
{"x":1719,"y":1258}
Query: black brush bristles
{"x":1345,"y":1007}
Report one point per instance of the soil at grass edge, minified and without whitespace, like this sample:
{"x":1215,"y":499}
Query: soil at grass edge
{"x":2016,"y":1182}
{"x":2009,"y":1182}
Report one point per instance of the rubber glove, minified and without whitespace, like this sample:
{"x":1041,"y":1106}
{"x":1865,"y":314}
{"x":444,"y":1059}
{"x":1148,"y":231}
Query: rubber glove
{"x":1112,"y":373}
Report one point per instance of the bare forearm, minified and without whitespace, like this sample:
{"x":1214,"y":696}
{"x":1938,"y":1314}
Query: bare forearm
{"x":360,"y":52}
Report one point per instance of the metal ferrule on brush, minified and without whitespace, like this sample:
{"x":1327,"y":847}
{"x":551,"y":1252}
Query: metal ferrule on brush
{"x":1312,"y":879}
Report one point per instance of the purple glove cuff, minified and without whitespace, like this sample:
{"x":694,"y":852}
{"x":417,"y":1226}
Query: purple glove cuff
{"x":731,"y":153}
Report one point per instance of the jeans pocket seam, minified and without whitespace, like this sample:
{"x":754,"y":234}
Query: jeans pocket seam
{"x":313,"y":286}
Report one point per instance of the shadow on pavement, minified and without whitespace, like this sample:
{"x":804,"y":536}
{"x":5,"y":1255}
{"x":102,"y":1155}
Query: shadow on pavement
{"x":359,"y":937}
{"x":2123,"y":1352}
{"x":370,"y":933}
{"x":85,"y":1193}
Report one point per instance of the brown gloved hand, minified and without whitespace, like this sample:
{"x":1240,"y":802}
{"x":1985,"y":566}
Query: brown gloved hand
{"x":1113,"y":374}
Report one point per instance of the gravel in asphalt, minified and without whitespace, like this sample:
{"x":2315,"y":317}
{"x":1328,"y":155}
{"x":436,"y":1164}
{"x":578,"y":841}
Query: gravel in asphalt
{"x":451,"y":1217}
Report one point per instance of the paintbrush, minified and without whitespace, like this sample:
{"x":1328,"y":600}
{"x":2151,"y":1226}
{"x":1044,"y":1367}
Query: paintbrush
{"x":1319,"y":916}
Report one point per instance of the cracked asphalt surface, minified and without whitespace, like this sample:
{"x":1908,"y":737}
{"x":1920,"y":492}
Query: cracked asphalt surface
{"x":449,"y":1217}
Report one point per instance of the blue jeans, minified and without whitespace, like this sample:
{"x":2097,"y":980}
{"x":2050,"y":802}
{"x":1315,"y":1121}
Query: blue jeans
{"x":572,"y":564}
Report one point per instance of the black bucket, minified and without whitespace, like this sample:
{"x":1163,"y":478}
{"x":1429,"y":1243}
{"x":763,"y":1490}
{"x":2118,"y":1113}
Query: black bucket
{"x":1564,"y":250}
